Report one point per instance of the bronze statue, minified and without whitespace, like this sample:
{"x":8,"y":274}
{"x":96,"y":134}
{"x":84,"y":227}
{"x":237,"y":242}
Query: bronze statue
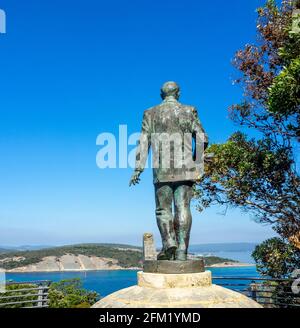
{"x":174,"y":183}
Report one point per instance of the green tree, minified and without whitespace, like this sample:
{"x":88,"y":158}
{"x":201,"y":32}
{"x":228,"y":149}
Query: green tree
{"x":259,"y":175}
{"x":70,"y":294}
{"x":276,"y":258}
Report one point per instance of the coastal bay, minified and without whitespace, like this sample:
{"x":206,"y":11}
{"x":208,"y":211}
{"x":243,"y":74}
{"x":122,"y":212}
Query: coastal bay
{"x":106,"y":282}
{"x":91,"y":257}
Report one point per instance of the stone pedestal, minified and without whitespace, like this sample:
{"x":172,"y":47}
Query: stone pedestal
{"x":174,"y":267}
{"x":185,"y":290}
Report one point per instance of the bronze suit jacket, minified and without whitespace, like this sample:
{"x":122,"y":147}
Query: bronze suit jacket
{"x":171,"y":129}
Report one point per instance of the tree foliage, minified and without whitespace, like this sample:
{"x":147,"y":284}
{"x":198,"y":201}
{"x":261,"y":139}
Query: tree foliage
{"x":284,"y":94}
{"x":267,"y":69}
{"x":260,"y":175}
{"x":126,"y":257}
{"x":276,"y":258}
{"x":70,"y":294}
{"x":63,"y":294}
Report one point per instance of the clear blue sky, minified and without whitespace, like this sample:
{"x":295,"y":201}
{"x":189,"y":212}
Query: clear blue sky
{"x":70,"y":70}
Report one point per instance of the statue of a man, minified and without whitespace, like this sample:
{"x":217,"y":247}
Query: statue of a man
{"x":173,"y":183}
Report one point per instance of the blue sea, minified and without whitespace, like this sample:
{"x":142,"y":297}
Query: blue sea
{"x":106,"y":282}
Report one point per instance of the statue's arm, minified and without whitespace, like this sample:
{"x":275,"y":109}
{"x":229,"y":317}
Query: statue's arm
{"x":198,"y":129}
{"x":142,"y":149}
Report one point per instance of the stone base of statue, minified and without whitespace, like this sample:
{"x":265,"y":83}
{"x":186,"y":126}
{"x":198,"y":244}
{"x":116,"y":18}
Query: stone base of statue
{"x":175,"y":290}
{"x":171,"y":267}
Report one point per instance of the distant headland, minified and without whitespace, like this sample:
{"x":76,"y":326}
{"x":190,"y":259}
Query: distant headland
{"x":85,"y":257}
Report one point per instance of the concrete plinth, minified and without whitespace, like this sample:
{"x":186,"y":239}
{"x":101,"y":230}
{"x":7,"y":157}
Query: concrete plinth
{"x":174,"y":267}
{"x":194,"y":290}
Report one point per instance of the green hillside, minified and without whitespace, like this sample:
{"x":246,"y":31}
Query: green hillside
{"x":210,"y":260}
{"x":126,"y":255}
{"x":126,"y":258}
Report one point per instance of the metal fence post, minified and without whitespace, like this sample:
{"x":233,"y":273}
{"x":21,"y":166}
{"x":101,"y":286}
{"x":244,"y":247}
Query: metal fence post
{"x":253,"y":290}
{"x":40,"y":296}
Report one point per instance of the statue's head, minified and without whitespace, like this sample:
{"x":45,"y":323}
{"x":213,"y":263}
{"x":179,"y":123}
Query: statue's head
{"x":170,"y":89}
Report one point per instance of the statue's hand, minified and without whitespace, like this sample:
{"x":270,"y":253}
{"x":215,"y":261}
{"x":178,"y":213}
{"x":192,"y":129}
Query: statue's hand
{"x":135,"y":179}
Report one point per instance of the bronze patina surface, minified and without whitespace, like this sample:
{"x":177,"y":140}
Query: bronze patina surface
{"x":173,"y":184}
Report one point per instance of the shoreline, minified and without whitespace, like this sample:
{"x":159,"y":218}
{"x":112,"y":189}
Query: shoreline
{"x":230,"y":265}
{"x":219,"y":265}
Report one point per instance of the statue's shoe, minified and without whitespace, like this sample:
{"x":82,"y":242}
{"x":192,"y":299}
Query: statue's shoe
{"x":180,"y":255}
{"x":167,"y":254}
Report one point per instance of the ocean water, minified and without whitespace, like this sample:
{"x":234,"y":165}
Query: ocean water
{"x":106,"y":282}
